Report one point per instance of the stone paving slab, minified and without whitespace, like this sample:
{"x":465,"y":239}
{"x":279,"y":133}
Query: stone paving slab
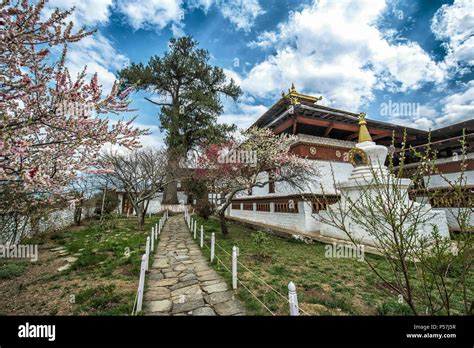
{"x":181,"y":282}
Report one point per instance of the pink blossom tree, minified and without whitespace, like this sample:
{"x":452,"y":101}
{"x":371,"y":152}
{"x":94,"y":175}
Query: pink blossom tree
{"x":52,"y":125}
{"x":257,"y":159}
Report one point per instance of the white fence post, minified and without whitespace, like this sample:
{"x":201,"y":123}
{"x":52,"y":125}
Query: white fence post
{"x":147,"y":252}
{"x":234,"y":267}
{"x":141,"y":285}
{"x":152,"y":245}
{"x":202,"y":237}
{"x":195,"y":225}
{"x":293,"y":299}
{"x":195,"y":228}
{"x":213,"y":241}
{"x":156,"y":230}
{"x":159,"y":228}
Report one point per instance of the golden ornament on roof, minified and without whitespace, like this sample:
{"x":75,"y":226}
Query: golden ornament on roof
{"x":294,"y":97}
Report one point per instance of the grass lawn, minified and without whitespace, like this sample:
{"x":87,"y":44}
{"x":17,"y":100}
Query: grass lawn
{"x":325,"y":286}
{"x":102,"y":281}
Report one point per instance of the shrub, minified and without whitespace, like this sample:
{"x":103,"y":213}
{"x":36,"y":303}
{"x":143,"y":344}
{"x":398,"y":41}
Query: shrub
{"x":11,"y":270}
{"x":110,"y":204}
{"x":204,"y":209}
{"x":261,"y":239}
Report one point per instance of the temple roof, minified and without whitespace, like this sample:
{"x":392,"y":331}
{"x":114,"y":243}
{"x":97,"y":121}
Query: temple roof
{"x":297,"y":113}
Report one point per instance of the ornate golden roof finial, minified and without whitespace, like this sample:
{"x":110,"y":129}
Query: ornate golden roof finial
{"x":364,"y":134}
{"x":293,"y":89}
{"x":294,"y":97}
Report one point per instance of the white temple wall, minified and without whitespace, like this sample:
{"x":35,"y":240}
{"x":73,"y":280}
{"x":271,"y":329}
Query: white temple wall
{"x":452,"y":214}
{"x":436,"y":181}
{"x":307,"y":222}
{"x":299,"y":222}
{"x":329,"y":172}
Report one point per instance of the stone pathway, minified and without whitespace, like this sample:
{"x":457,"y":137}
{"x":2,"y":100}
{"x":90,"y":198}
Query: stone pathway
{"x":65,"y":257}
{"x":181,"y":282}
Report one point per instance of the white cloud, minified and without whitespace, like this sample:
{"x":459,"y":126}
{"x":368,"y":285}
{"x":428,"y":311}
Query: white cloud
{"x":151,"y":14}
{"x":454,"y":24}
{"x":100,"y":57}
{"x":335,"y":48}
{"x":153,"y":140}
{"x":243,"y":115}
{"x":458,"y":107}
{"x":241,"y":13}
{"x":205,"y":5}
{"x":454,"y":108}
{"x":425,"y":118}
{"x":95,"y":51}
{"x":87,"y":12}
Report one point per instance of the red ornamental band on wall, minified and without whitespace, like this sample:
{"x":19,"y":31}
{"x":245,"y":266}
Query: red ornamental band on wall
{"x":322,"y":152}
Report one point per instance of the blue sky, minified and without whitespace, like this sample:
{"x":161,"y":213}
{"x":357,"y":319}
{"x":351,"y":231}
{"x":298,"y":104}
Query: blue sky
{"x":359,"y":55}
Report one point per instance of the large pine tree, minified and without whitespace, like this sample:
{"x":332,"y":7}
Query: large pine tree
{"x":189,"y":91}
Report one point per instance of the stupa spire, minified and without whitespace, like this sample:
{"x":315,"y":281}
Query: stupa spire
{"x":364,"y":134}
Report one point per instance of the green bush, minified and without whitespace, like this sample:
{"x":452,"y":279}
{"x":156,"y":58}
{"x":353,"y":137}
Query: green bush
{"x":12,"y":269}
{"x":393,"y":308}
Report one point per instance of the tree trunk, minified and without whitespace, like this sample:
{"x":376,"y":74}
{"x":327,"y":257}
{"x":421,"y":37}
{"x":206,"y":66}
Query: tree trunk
{"x":140,"y":216}
{"x":170,"y":194}
{"x":224,"y":229}
{"x":78,"y":214}
{"x":103,"y":202}
{"x":222,"y":210}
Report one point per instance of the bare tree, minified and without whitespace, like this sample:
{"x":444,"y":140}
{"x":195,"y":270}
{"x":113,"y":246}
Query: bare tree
{"x":457,"y":197}
{"x":141,"y":174}
{"x":83,"y":189}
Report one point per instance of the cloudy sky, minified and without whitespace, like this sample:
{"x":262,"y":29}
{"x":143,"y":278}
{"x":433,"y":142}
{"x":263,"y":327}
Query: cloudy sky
{"x":359,"y":55}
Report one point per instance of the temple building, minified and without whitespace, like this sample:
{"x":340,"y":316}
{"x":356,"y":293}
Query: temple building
{"x":325,"y":136}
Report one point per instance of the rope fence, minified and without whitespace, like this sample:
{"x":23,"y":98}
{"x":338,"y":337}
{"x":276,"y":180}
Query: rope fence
{"x":291,"y":299}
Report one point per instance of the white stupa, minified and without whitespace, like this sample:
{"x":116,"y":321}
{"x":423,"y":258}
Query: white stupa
{"x":370,"y":180}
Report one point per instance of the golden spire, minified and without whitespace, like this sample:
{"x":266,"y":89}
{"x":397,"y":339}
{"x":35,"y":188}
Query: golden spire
{"x":364,"y":134}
